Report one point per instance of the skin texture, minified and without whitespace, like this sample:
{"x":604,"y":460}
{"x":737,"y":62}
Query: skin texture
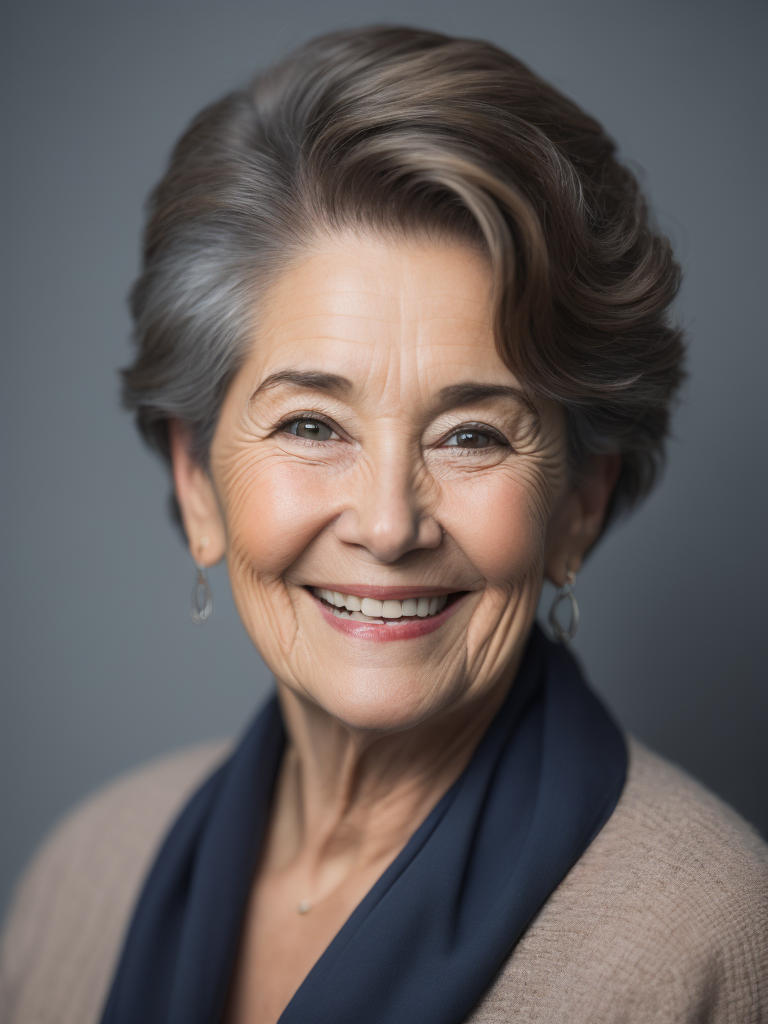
{"x":377,"y":730}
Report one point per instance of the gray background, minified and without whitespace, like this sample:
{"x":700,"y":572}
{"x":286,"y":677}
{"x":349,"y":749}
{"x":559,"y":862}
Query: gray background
{"x":101,"y":666}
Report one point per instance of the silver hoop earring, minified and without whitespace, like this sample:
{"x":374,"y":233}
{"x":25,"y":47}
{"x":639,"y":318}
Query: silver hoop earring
{"x":565,"y":593}
{"x":202,"y":599}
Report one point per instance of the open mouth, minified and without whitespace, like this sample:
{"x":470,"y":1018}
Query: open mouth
{"x":386,"y":612}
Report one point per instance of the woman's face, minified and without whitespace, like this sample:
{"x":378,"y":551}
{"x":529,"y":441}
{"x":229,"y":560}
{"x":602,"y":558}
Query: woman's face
{"x":375,"y":447}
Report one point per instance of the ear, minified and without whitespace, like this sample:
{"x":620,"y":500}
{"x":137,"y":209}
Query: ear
{"x":578,"y":517}
{"x":200,"y":511}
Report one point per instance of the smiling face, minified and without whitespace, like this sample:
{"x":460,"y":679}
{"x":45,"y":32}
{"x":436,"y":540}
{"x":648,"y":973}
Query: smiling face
{"x":387,"y":499}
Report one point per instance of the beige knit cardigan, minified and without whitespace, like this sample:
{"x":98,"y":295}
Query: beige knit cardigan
{"x":663,"y":919}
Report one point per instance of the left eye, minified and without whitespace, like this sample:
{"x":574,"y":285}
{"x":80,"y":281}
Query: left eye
{"x":469,"y":438}
{"x":314,"y":430}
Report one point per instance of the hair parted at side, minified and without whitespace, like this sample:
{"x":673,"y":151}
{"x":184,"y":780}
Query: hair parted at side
{"x":411,"y":131}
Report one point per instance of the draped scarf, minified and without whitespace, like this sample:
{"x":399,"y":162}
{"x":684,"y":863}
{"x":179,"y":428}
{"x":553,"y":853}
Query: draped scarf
{"x":429,"y":936}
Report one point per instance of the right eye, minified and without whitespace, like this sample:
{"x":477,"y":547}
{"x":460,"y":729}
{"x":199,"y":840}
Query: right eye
{"x":310,"y":430}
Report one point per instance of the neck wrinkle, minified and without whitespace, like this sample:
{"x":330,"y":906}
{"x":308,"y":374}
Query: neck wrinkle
{"x":355,"y":798}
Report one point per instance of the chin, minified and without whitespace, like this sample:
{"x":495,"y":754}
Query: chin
{"x":374,"y":704}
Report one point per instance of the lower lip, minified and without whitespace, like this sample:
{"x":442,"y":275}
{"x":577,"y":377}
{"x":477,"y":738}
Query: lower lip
{"x":397,"y":629}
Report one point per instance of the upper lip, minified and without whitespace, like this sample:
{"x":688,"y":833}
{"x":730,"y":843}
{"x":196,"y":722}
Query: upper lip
{"x":385,"y":593}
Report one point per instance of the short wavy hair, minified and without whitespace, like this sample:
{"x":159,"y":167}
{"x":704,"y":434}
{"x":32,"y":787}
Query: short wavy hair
{"x":402,"y":130}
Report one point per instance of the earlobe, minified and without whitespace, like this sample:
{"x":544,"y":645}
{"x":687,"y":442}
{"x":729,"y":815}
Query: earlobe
{"x":196,"y":495}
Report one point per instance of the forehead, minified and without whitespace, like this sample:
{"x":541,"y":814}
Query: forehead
{"x":369,"y":308}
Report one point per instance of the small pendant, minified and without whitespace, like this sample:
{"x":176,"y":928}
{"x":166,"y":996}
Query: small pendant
{"x":304,"y":907}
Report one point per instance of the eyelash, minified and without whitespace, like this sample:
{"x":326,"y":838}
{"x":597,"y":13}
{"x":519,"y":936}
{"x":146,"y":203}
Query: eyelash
{"x":480,"y":428}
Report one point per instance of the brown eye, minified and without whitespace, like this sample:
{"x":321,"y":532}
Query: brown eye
{"x":471,"y":439}
{"x":310,"y":430}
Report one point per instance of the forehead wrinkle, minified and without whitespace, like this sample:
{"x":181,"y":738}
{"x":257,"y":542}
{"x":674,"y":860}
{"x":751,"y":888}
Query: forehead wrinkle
{"x":379,"y":369}
{"x":394,"y":313}
{"x":410,"y":305}
{"x":340,"y":316}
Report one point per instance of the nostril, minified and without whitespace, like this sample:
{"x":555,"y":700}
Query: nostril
{"x":387,"y":528}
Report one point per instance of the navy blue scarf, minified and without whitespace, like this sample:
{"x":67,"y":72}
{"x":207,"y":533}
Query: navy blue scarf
{"x":425,"y":942}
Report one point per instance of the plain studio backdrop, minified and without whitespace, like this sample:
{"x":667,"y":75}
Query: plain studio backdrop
{"x":101,"y":665}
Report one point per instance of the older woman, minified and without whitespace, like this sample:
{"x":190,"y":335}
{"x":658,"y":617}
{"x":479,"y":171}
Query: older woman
{"x":403,"y":337}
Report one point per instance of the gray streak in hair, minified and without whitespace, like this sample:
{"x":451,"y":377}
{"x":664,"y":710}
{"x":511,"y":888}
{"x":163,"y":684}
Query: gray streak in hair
{"x":403,"y":131}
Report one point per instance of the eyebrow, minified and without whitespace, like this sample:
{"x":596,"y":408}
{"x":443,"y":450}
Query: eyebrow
{"x":466,"y":393}
{"x":313,"y":380}
{"x":470,"y":392}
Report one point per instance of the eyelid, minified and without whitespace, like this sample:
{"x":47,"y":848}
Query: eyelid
{"x":306,"y":415}
{"x":480,"y":428}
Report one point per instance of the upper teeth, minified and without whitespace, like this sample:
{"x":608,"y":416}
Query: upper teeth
{"x":370,"y":608}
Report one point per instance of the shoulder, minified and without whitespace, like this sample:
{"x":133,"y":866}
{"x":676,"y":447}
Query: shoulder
{"x":668,"y":828}
{"x":664,"y":917}
{"x":74,"y":901}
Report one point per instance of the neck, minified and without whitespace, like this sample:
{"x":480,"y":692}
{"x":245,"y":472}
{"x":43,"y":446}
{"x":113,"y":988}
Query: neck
{"x":348,"y":800}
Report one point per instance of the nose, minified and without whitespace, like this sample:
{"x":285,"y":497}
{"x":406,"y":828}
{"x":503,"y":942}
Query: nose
{"x":390,"y":511}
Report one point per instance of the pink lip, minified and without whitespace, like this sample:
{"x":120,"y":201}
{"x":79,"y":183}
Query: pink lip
{"x":385,"y":593}
{"x":396,"y":630}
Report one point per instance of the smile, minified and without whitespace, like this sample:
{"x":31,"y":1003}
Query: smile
{"x":386,"y":618}
{"x":370,"y":609}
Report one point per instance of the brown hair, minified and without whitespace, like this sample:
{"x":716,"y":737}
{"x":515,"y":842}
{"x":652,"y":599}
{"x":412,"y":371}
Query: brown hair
{"x":404,"y":130}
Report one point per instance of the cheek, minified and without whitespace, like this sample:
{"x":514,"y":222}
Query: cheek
{"x":499,"y":521}
{"x":274,"y":509}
